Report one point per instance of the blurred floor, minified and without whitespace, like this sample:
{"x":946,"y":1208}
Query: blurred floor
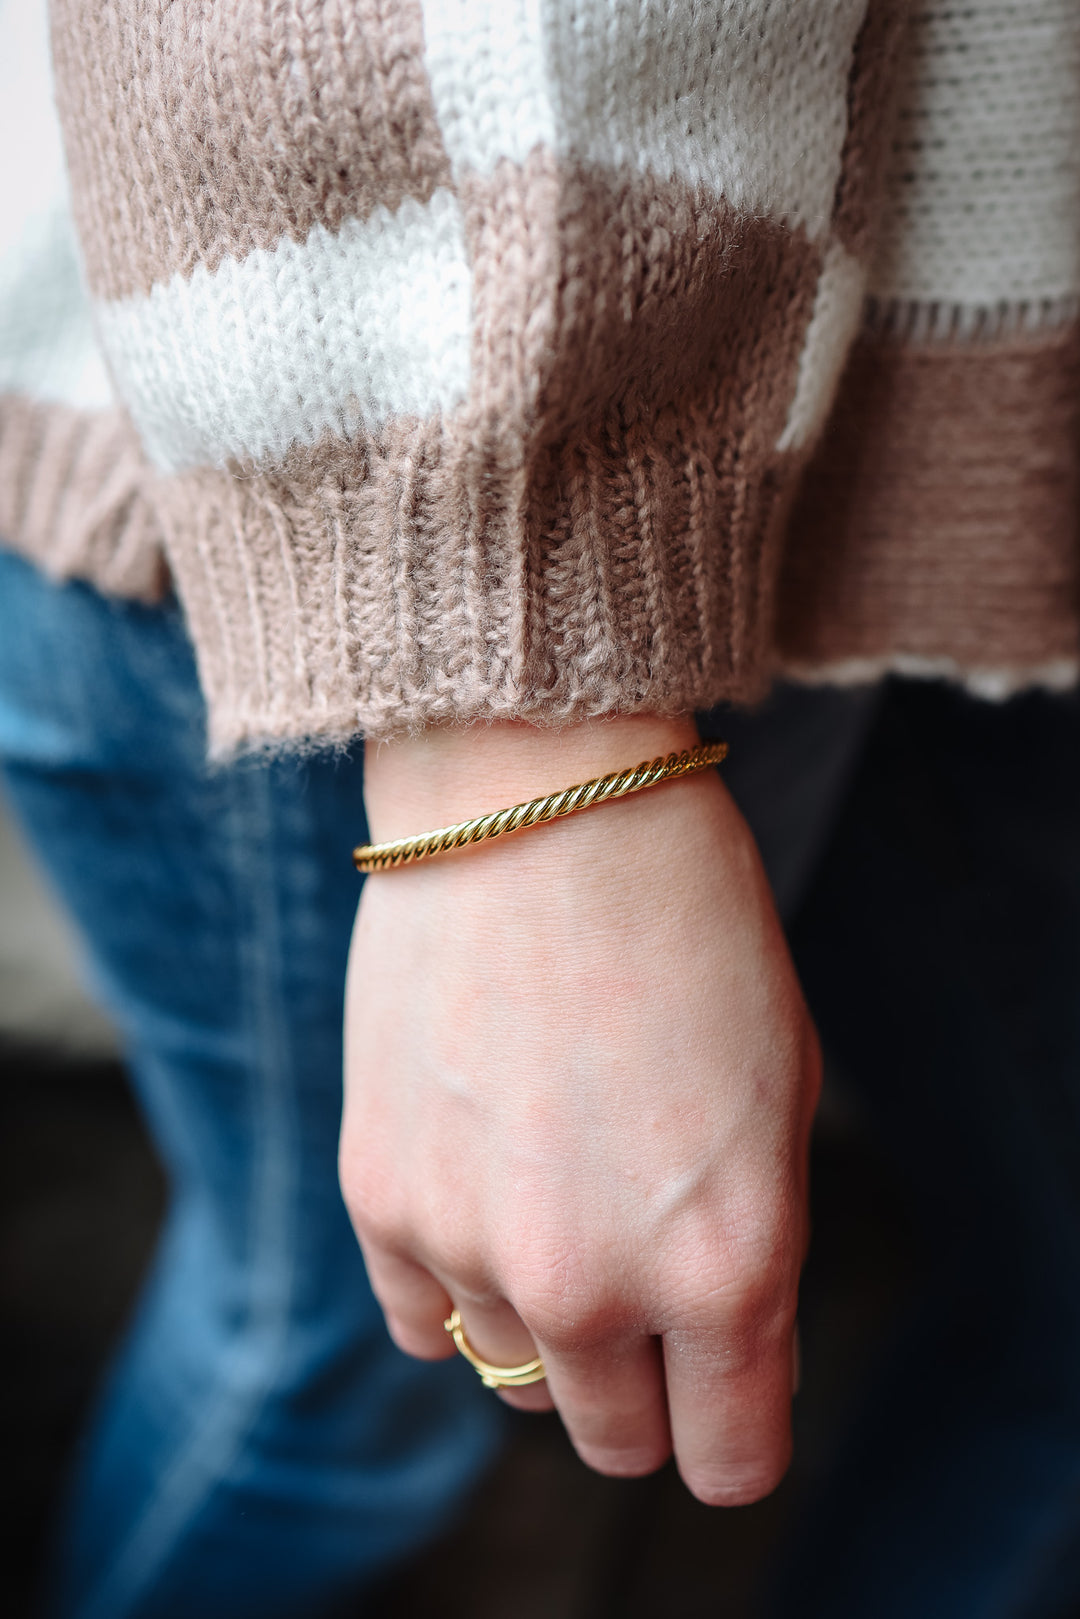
{"x":80,"y":1199}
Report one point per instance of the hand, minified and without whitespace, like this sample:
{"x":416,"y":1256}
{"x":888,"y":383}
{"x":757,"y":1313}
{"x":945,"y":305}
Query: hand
{"x":580,"y":1078}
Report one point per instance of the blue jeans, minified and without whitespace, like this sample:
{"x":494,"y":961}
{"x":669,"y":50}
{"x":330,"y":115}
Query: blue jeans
{"x":260,"y":1447}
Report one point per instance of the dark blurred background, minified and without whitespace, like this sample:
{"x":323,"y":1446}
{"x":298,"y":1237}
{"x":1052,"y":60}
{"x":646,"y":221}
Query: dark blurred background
{"x":82,"y":1195}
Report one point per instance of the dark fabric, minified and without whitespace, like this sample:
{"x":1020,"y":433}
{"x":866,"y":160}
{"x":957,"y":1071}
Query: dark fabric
{"x":261,"y":1447}
{"x":941,"y":954}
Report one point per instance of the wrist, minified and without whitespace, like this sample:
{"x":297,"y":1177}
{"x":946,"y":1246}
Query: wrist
{"x":446,"y":774}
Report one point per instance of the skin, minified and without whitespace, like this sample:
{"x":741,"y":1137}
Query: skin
{"x":580,"y":1077}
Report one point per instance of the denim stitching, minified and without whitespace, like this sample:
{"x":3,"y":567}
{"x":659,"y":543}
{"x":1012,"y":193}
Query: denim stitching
{"x":204,"y":1462}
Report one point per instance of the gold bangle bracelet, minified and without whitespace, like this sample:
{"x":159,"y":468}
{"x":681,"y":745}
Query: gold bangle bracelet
{"x":620,"y":784}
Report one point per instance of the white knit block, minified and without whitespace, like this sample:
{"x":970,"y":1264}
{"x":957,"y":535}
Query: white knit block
{"x":275,"y":349}
{"x":745,"y":97}
{"x":47,"y":345}
{"x":48,"y":349}
{"x":33,"y":159}
{"x":485,"y":61}
{"x":837,"y":312}
{"x":992,"y":684}
{"x":984,"y":184}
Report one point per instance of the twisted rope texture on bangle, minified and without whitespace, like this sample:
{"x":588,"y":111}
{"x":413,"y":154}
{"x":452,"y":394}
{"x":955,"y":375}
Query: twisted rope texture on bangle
{"x":371,"y":857}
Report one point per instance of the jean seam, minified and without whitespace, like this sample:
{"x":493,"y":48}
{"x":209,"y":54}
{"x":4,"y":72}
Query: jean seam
{"x":191,"y":1479}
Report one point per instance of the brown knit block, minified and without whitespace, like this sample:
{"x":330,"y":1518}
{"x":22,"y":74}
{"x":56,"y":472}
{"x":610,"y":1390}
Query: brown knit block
{"x":938,"y":519}
{"x":194,"y":132}
{"x":872,"y":92}
{"x":592,"y":530}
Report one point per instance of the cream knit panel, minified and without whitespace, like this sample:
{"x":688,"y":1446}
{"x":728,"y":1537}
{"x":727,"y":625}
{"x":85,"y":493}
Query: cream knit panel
{"x":334,"y":334}
{"x":339,"y":329}
{"x":937,"y":529}
{"x":982,"y":211}
{"x":47,"y":347}
{"x":744,"y":98}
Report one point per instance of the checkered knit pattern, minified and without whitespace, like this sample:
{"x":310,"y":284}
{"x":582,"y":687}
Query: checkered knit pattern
{"x":548,"y":358}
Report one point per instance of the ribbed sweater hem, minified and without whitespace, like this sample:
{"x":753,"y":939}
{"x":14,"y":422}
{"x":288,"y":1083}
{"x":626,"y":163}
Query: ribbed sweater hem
{"x":75,"y":497}
{"x":606,"y":577}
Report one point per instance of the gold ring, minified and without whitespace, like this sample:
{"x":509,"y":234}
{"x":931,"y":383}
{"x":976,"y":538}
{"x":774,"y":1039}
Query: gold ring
{"x":493,"y":1377}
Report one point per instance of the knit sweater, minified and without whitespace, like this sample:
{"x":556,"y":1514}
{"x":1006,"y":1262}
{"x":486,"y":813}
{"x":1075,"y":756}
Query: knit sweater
{"x":73,"y":480}
{"x":548,"y":358}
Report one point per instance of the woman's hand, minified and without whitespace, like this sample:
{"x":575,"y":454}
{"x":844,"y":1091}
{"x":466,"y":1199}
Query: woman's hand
{"x":580,"y":1077}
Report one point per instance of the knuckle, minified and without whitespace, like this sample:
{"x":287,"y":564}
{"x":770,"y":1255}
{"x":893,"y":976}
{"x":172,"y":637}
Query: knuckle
{"x":559,"y":1294}
{"x":383,"y":1217}
{"x":569,"y":1324}
{"x":548,"y":1325}
{"x":473,"y":1288}
{"x":765,"y":1241}
{"x":537,"y":1262}
{"x":453,"y":1250}
{"x":761,"y":1307}
{"x":746,"y":1314}
{"x":375,"y":1215}
{"x":731,"y":1299}
{"x":758,"y":1274}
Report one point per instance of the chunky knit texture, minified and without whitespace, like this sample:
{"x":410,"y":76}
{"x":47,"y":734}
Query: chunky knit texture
{"x":73,"y":478}
{"x":485,"y":354}
{"x":938,"y":530}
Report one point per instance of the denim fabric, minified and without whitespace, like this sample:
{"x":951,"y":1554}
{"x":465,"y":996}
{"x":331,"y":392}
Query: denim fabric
{"x":260,"y":1448}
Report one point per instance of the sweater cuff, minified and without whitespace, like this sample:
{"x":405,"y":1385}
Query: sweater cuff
{"x":417,"y":580}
